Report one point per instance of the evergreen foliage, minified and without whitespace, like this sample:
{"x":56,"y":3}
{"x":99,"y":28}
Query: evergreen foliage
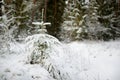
{"x":82,"y":19}
{"x":21,"y":17}
{"x":94,"y":20}
{"x":107,"y":13}
{"x":15,"y":18}
{"x":45,"y":50}
{"x":73,"y":14}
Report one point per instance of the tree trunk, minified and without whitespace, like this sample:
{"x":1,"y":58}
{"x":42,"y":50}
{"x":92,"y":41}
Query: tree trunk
{"x":0,"y":7}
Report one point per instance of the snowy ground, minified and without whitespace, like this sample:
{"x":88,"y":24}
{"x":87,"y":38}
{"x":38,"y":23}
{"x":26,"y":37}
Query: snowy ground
{"x":87,"y":60}
{"x":95,"y":60}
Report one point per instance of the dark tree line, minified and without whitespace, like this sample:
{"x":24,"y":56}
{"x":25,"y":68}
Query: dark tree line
{"x":53,"y":12}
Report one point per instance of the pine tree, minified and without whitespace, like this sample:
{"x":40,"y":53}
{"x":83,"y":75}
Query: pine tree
{"x":91,"y":23}
{"x":72,"y":19}
{"x":107,"y":13}
{"x":16,"y":17}
{"x":116,"y":18}
{"x":93,"y":19}
{"x":22,"y":15}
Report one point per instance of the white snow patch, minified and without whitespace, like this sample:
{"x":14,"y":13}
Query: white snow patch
{"x":87,"y":60}
{"x":94,"y":60}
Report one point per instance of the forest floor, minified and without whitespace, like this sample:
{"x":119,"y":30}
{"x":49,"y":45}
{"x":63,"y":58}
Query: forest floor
{"x":84,"y":60}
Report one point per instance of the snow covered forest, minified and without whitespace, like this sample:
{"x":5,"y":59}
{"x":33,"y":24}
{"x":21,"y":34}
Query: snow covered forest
{"x":59,"y":39}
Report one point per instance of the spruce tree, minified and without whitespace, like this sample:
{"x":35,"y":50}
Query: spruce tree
{"x":72,"y":19}
{"x":22,"y":16}
{"x":91,"y":23}
{"x":107,"y":13}
{"x":16,"y":17}
{"x":93,"y":19}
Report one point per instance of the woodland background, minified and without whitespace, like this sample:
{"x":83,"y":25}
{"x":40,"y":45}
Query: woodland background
{"x":71,"y":19}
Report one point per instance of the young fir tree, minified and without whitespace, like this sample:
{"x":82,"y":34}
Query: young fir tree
{"x":91,"y":26}
{"x":107,"y":13}
{"x":53,"y":11}
{"x":72,"y":19}
{"x":21,"y":15}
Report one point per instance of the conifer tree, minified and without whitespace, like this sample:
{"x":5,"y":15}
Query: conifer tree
{"x":16,"y":17}
{"x":91,"y":23}
{"x":107,"y":13}
{"x":72,"y":19}
{"x":93,"y":19}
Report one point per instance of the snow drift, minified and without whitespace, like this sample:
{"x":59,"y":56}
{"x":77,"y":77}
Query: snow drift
{"x":43,"y":57}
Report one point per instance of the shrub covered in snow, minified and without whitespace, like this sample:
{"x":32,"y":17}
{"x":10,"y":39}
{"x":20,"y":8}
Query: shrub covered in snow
{"x":45,"y":50}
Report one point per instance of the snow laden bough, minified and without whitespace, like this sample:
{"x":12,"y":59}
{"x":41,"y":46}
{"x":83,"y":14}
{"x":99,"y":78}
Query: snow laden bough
{"x":46,"y":50}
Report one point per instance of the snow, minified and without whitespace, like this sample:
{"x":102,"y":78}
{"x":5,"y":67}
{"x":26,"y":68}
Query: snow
{"x":85,"y":60}
{"x":86,"y":1}
{"x":12,"y":68}
{"x":95,"y":60}
{"x":41,"y":23}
